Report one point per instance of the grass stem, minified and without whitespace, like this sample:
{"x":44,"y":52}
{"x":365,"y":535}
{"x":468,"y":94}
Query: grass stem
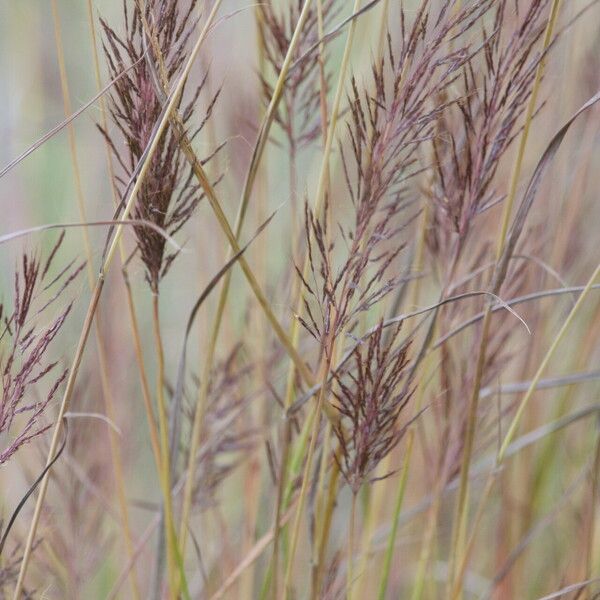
{"x":461,"y":505}
{"x":164,"y":444}
{"x":351,"y":536}
{"x":93,"y":304}
{"x":115,"y":451}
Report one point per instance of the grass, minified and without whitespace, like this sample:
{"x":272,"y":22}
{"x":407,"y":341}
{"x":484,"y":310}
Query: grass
{"x":371,"y":228}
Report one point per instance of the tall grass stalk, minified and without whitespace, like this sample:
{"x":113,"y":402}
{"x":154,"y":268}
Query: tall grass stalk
{"x":401,"y":492}
{"x":254,"y":480}
{"x":326,"y":520}
{"x":295,"y":534}
{"x":461,"y":506}
{"x":106,"y":263}
{"x":593,"y":516}
{"x":322,"y":185}
{"x":514,"y":424}
{"x":115,"y":451}
{"x":320,"y":507}
{"x":133,"y":319}
{"x":351,"y":541}
{"x":163,"y":427}
{"x":287,"y":434}
{"x":233,"y":241}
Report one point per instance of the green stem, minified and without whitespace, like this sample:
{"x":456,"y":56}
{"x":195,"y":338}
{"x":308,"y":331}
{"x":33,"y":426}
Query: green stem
{"x":326,"y":528}
{"x":316,"y":419}
{"x":164,"y":443}
{"x":389,"y":554}
{"x":459,"y":523}
{"x":512,"y":430}
{"x":351,"y":526}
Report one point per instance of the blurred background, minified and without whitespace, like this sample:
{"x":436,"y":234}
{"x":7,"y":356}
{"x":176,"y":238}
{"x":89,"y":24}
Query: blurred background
{"x":82,"y":554}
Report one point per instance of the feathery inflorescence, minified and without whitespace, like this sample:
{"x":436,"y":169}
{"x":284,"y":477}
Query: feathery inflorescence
{"x":168,"y":195}
{"x":228,"y":436}
{"x":299,"y":115}
{"x":391,"y":119}
{"x":396,"y":132}
{"x":25,"y":365}
{"x":371,"y":394}
{"x":496,"y":83}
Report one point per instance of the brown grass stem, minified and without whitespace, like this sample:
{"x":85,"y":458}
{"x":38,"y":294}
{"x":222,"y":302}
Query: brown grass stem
{"x":133,"y":320}
{"x":512,"y":429}
{"x":107,"y":261}
{"x":115,"y":451}
{"x":461,"y":505}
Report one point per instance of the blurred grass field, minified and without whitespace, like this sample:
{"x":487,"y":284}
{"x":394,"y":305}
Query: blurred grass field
{"x":545,"y":493}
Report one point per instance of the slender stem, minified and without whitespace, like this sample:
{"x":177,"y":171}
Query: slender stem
{"x":286,"y":484}
{"x":391,"y":545}
{"x":233,"y":238}
{"x":209,"y":190}
{"x":591,"y":525}
{"x":326,"y":527}
{"x":335,"y":111}
{"x":281,"y":484}
{"x":130,"y":302}
{"x":389,"y":554}
{"x":351,"y":526}
{"x":302,"y":499}
{"x":320,"y":503}
{"x":306,"y":475}
{"x":512,"y":430}
{"x":251,"y":175}
{"x":253,"y":471}
{"x":534,"y":382}
{"x":115,"y":451}
{"x":461,"y":506}
{"x":164,"y":442}
{"x":204,"y":384}
{"x":429,"y":534}
{"x":83,"y":338}
{"x":116,"y":457}
{"x":139,"y":357}
{"x":471,"y":426}
{"x":323,"y":184}
{"x":322,"y":75}
{"x":216,"y":206}
{"x":290,"y":384}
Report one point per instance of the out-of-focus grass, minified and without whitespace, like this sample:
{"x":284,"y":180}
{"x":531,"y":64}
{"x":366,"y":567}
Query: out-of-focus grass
{"x":41,"y":190}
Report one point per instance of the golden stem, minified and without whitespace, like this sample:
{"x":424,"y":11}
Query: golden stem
{"x":83,"y":338}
